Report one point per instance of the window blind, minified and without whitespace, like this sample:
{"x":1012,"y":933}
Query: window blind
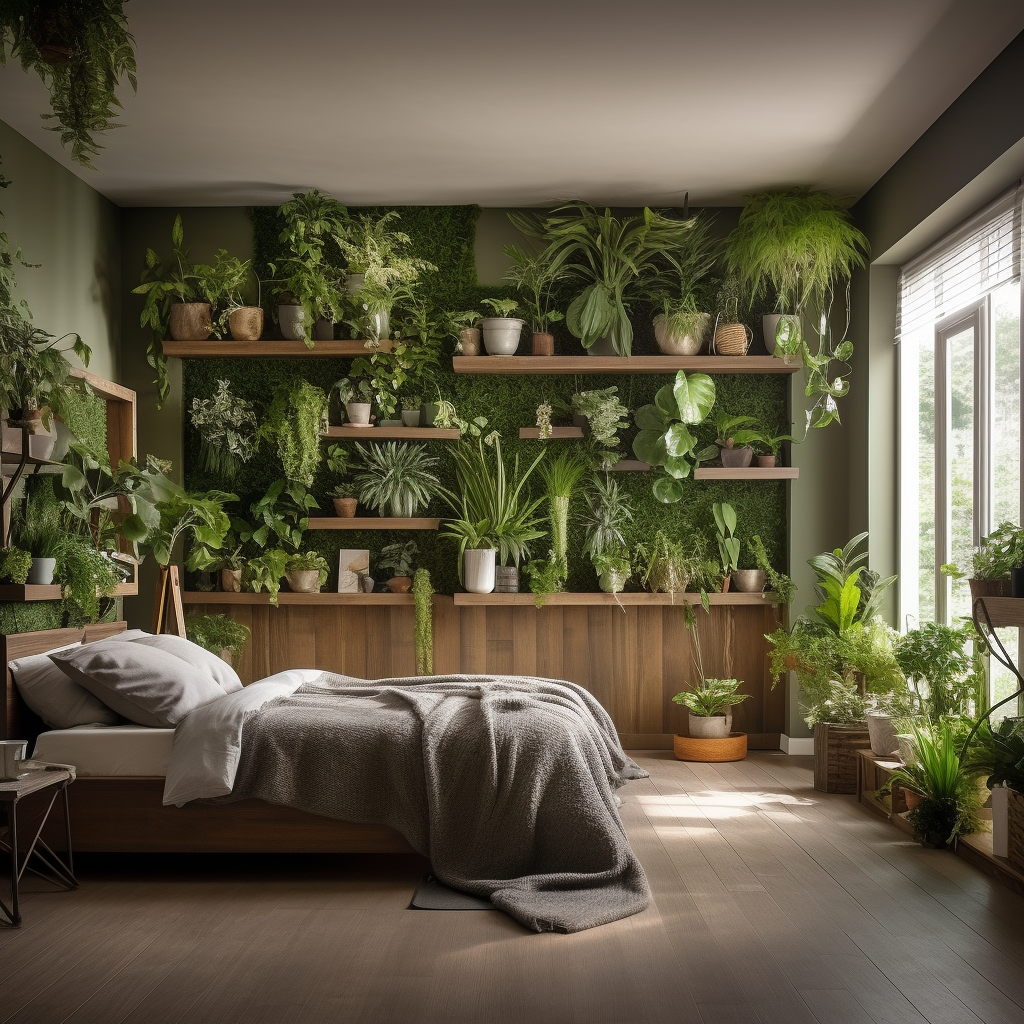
{"x":981,"y":255}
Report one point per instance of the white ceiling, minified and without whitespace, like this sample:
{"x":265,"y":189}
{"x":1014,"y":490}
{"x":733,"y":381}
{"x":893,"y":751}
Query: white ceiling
{"x":519,"y":104}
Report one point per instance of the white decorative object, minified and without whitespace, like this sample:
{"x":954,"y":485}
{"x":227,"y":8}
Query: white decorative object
{"x":352,"y":563}
{"x":41,"y":573}
{"x":478,"y":570}
{"x":501,"y":334}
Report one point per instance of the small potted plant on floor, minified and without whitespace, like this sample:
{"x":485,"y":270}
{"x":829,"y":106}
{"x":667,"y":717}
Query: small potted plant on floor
{"x":306,"y":572}
{"x":396,"y":478}
{"x":502,"y":330}
{"x":710,"y":706}
{"x":533,"y":278}
{"x":399,"y":558}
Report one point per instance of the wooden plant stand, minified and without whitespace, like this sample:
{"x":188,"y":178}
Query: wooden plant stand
{"x":728,"y":748}
{"x":835,"y":756}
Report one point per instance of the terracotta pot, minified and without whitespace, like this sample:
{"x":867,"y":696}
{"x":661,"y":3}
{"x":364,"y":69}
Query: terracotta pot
{"x":543,"y":345}
{"x":345,"y":508}
{"x":725,"y":584}
{"x":190,"y":321}
{"x":692,"y":748}
{"x":304,"y":581}
{"x":246,"y":323}
{"x":766,"y":461}
{"x":470,"y":337}
{"x":231,"y":581}
{"x":400,"y":584}
{"x":912,"y":797}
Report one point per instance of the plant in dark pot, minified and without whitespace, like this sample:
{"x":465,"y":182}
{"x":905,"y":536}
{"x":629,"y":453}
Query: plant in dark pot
{"x":309,"y":286}
{"x":533,"y":278}
{"x":734,"y":435}
{"x":411,"y":406}
{"x":400,"y":558}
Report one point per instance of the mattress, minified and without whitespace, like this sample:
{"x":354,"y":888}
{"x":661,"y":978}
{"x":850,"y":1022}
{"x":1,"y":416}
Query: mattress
{"x":108,"y":750}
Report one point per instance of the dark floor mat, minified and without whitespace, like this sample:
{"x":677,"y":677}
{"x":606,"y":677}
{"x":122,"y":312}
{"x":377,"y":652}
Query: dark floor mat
{"x":431,"y":894}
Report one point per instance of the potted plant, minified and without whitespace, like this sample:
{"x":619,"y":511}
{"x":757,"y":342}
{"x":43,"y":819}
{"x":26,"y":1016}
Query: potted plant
{"x":41,"y":531}
{"x":948,"y":788}
{"x":309,"y":287}
{"x":993,"y":562}
{"x":228,"y":431}
{"x":728,"y":543}
{"x":609,"y":511}
{"x":781,"y":585}
{"x":502,"y":331}
{"x":731,"y":337}
{"x":265,"y":571}
{"x":306,"y":572}
{"x":768,"y":446}
{"x":614,"y":261}
{"x":411,"y":410}
{"x":81,"y":53}
{"x":669,"y":566}
{"x":15,"y":565}
{"x":396,"y":478}
{"x":344,"y":494}
{"x":734,"y":436}
{"x":355,"y":397}
{"x":604,"y":415}
{"x":234,"y":316}
{"x":462,"y":327}
{"x":399,"y":557}
{"x":380,"y":272}
{"x":493,"y":514}
{"x":282,"y":515}
{"x":997,"y":753}
{"x":680,"y":326}
{"x":219,"y":635}
{"x":710,"y":706}
{"x":664,"y":439}
{"x":561,"y":476}
{"x":533,"y":278}
{"x":294,"y":421}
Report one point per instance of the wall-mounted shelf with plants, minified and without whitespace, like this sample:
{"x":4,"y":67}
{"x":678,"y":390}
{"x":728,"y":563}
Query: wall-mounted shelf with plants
{"x":600,"y":599}
{"x":394,"y":433}
{"x":228,"y":349}
{"x":373,"y":523}
{"x":621,"y":364}
{"x":746,"y":473}
{"x":286,"y":597}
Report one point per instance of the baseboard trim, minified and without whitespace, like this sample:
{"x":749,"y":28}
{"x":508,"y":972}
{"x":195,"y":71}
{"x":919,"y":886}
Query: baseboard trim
{"x":796,"y":744}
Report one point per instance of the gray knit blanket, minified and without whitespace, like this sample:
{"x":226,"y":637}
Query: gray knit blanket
{"x":507,"y":784}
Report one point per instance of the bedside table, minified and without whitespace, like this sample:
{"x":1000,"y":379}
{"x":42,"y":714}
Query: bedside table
{"x":50,"y":865}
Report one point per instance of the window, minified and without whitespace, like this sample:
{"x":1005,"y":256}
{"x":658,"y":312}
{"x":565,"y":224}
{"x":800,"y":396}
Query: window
{"x":960,"y":435}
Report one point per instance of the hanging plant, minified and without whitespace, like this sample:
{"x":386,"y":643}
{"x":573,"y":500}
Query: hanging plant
{"x":228,"y":432}
{"x":81,"y":51}
{"x":424,"y":638}
{"x":294,"y":421}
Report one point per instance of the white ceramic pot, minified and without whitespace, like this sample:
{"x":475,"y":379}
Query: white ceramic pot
{"x":501,"y":334}
{"x":748,"y":581}
{"x":716,"y":727}
{"x":612,"y":581}
{"x":291,"y":320}
{"x":358,"y":412}
{"x":882,"y":734}
{"x":677,"y":344}
{"x":478,"y":570}
{"x":304,"y":581}
{"x":41,"y":573}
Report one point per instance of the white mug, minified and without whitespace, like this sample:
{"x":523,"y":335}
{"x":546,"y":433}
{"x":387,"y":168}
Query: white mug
{"x":12,"y":753}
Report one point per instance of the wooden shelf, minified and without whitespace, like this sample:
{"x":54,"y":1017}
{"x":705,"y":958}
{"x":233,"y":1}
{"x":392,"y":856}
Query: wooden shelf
{"x":1004,"y":611}
{"x":534,"y":432}
{"x":607,"y":599}
{"x":373,"y":523}
{"x":746,"y":473}
{"x":215,"y":349}
{"x":620,"y":364}
{"x":286,"y":597}
{"x":52,"y":592}
{"x":394,"y":433}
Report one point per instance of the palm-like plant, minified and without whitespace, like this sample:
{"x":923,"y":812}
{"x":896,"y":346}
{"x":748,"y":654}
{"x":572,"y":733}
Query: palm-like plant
{"x":608,"y":511}
{"x":397,"y":477}
{"x":491,"y":509}
{"x":532,"y":277}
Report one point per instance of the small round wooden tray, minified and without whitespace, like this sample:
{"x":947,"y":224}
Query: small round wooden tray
{"x":729,"y":748}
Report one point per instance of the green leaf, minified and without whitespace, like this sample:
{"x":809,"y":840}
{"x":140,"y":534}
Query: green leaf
{"x":650,"y":417}
{"x":694,"y":396}
{"x":73,"y":479}
{"x":677,"y":467}
{"x":667,"y":490}
{"x":666,"y":402}
{"x":678,"y":440}
{"x":649,"y":446}
{"x":134,"y":529}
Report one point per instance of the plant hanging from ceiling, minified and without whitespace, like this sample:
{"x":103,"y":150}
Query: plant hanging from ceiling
{"x":81,"y":49}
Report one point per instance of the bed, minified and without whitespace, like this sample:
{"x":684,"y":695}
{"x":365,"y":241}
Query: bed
{"x":125,"y":813}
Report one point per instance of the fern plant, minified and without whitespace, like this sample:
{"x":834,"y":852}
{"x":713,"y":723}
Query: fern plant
{"x":396,"y":478}
{"x":216,"y":633}
{"x":294,"y":421}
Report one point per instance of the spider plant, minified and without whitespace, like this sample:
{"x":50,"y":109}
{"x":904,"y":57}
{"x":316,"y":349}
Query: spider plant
{"x":491,"y":509}
{"x":396,"y":477}
{"x":608,"y":511}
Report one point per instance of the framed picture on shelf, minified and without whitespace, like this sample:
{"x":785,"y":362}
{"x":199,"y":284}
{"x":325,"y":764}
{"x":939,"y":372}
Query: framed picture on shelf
{"x":352,"y":563}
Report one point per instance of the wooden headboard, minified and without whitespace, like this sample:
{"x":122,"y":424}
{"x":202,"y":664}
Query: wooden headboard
{"x":18,"y":722}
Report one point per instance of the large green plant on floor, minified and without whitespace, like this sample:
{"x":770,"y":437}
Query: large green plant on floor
{"x":294,"y":421}
{"x":81,"y":51}
{"x":802,"y":245}
{"x":615,"y":260}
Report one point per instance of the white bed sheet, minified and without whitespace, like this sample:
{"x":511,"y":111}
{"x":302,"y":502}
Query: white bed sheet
{"x":108,"y":750}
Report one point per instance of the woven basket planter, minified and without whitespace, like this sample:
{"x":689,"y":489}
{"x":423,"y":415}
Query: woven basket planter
{"x":345,"y":508}
{"x":731,"y":339}
{"x":694,"y":748}
{"x":1015,"y":828}
{"x":835,"y":756}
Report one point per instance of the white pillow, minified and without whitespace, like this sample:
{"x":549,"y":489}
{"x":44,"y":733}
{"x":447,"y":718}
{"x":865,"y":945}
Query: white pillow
{"x":56,"y":699}
{"x":216,"y":668}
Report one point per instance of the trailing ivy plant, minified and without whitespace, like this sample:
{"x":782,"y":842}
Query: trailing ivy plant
{"x":282,"y":514}
{"x":294,"y":421}
{"x":665,"y":439}
{"x":81,"y":51}
{"x":424,"y":635}
{"x":606,"y":416}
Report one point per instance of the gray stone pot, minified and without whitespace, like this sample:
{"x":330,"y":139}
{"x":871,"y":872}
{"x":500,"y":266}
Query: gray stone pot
{"x":883,"y":734}
{"x":715,"y":727}
{"x":291,"y":320}
{"x":737,"y":458}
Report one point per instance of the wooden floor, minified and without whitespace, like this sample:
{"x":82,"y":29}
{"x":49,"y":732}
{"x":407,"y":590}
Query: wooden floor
{"x":773,"y":903}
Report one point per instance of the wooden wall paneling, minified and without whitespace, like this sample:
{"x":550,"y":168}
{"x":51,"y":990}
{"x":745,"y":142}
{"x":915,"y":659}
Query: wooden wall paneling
{"x":576,"y":659}
{"x":352,"y":627}
{"x":550,"y":643}
{"x":447,"y":635}
{"x":650,"y":666}
{"x":677,"y":668}
{"x":329,"y":630}
{"x":473,"y":639}
{"x":772,"y":699}
{"x":524,"y":640}
{"x":402,"y":647}
{"x":596,"y":672}
{"x":500,"y":658}
{"x":243,"y":614}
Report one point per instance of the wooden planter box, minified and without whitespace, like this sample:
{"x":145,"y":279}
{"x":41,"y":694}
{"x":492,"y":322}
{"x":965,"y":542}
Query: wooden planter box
{"x":1015,"y":828}
{"x":835,"y":756}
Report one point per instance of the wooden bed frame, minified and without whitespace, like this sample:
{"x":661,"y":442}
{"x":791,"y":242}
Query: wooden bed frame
{"x":125,"y":815}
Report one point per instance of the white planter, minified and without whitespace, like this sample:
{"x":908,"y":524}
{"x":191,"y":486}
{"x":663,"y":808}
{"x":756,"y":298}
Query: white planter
{"x":882,"y":734}
{"x":358,"y":413}
{"x":478,"y":570}
{"x":770,"y":327}
{"x":291,"y":320}
{"x":677,"y":344}
{"x":501,"y":334}
{"x":41,"y":573}
{"x":715,"y":727}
